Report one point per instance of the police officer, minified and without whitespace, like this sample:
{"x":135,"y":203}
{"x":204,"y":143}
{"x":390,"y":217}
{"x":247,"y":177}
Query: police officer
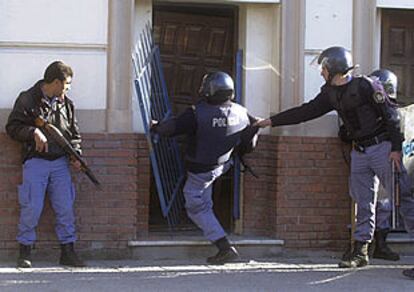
{"x":384,"y":205}
{"x":379,"y":247}
{"x":373,"y":126}
{"x":45,"y":165}
{"x":214,"y":127}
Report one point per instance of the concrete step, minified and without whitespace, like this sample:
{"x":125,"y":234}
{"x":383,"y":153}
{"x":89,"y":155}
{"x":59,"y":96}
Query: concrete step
{"x":184,"y":247}
{"x":401,"y":242}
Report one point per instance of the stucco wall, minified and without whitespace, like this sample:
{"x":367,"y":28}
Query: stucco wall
{"x":142,"y":17}
{"x":35,"y":33}
{"x":259,"y":39}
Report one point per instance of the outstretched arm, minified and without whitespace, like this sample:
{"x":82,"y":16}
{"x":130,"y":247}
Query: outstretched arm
{"x":315,"y":108}
{"x":185,"y":123}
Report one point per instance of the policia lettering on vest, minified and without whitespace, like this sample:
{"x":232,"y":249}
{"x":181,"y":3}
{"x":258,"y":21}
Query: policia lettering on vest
{"x":215,"y":127}
{"x":373,"y":125}
{"x":224,"y":122}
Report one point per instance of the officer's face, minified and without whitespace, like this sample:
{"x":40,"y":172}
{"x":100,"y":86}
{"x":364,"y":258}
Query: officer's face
{"x":325,"y":73}
{"x":62,"y":87}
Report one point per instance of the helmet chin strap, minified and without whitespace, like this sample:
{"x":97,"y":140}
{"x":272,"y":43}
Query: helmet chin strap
{"x":348,"y":77}
{"x":330,"y":78}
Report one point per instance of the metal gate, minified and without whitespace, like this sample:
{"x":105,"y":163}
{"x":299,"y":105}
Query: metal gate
{"x":154,"y":103}
{"x":164,"y":152}
{"x":237,"y":169}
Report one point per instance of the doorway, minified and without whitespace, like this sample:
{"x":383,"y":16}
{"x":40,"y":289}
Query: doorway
{"x":397,"y":50}
{"x":193,"y":41}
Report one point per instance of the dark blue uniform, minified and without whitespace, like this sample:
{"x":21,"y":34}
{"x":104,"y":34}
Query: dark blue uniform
{"x":372,"y":124}
{"x":213,"y":132}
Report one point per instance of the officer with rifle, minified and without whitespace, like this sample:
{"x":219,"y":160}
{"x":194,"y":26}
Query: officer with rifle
{"x":46,"y":163}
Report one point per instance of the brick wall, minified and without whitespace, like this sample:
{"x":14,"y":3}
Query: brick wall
{"x":301,"y":195}
{"x":106,"y":219}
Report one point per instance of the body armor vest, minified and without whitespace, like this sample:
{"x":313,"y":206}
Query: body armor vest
{"x":218,"y":132}
{"x":360,"y":113}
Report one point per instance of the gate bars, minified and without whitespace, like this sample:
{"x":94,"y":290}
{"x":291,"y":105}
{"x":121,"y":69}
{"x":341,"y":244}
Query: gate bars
{"x":154,"y":103}
{"x":164,"y":152}
{"x":237,"y":168}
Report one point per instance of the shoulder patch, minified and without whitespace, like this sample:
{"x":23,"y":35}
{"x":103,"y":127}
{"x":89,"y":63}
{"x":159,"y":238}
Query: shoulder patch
{"x":379,"y":97}
{"x":379,"y":93}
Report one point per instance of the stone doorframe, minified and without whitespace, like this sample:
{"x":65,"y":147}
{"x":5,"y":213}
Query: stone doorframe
{"x":367,"y":30}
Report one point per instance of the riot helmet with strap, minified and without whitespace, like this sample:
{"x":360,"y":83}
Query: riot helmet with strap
{"x":337,"y":60}
{"x":217,"y":87}
{"x":389,"y":82}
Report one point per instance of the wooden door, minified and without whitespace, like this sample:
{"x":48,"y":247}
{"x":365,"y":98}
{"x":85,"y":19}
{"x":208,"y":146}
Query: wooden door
{"x":194,"y":41}
{"x":397,"y":50}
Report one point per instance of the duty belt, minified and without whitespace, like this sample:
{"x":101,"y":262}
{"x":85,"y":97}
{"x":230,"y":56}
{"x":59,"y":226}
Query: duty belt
{"x":361,"y":145}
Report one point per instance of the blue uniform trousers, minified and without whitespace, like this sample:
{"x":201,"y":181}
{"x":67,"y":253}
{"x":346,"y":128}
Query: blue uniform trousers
{"x":41,"y":176}
{"x":365,"y":166}
{"x":364,"y":184}
{"x":199,"y":203}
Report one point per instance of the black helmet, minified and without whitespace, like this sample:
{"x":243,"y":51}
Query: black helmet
{"x":217,"y":87}
{"x":336,"y":60}
{"x":388,"y":80}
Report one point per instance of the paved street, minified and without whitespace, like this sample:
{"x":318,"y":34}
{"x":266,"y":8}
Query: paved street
{"x":276,"y":274}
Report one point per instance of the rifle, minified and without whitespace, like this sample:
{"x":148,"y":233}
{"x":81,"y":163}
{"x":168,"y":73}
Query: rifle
{"x":395,"y":197}
{"x":58,"y":137}
{"x":246,"y":166}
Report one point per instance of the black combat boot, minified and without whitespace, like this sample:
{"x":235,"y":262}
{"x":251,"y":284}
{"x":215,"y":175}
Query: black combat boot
{"x":371,"y":248}
{"x":382,"y":250}
{"x":226,"y":253}
{"x":359,"y":256}
{"x":68,"y":256}
{"x":409,"y":273}
{"x":347,"y":254}
{"x":24,"y":260}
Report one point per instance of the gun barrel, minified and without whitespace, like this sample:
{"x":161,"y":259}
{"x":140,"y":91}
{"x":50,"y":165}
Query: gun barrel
{"x":92,"y":177}
{"x":395,"y":196}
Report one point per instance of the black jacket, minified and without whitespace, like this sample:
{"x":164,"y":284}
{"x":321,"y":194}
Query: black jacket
{"x":363,"y":117}
{"x":21,"y":122}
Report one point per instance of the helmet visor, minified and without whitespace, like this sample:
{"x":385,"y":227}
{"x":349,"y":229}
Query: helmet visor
{"x":316,"y":64}
{"x":390,"y":90}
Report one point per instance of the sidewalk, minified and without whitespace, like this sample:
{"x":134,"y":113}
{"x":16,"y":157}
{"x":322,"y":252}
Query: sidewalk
{"x":305,"y":273}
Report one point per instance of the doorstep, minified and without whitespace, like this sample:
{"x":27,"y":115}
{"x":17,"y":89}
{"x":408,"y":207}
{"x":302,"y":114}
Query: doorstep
{"x":401,"y":242}
{"x":182,"y":247}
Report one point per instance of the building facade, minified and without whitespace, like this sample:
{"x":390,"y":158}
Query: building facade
{"x":301,"y":195}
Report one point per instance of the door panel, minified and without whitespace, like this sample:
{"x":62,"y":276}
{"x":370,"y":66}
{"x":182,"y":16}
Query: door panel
{"x":192,"y":42}
{"x":397,"y":49}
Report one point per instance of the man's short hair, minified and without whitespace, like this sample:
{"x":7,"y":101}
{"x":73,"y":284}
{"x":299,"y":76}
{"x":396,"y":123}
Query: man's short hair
{"x":57,"y":70}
